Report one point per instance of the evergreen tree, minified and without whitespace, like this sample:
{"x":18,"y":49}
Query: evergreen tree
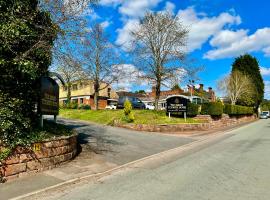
{"x":248,"y":65}
{"x":26,"y":34}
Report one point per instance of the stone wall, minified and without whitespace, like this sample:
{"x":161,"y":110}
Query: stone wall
{"x":41,"y":156}
{"x":207,"y":124}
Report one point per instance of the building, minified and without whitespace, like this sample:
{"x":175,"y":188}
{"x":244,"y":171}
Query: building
{"x":195,"y":95}
{"x":82,"y":92}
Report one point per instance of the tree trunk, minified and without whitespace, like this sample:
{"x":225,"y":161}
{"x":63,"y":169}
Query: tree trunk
{"x":157,"y":94}
{"x":96,"y":94}
{"x":68,"y":93}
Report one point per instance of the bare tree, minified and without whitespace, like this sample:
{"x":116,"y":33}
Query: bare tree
{"x":158,"y":45}
{"x":70,"y":70}
{"x":235,"y":86}
{"x":100,"y":60}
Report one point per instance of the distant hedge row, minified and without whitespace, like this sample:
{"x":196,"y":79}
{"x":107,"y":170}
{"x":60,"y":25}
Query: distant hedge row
{"x":237,"y":110}
{"x":217,"y":108}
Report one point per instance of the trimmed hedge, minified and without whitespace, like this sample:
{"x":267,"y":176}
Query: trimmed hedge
{"x":238,"y":110}
{"x":212,"y":108}
{"x":192,"y":109}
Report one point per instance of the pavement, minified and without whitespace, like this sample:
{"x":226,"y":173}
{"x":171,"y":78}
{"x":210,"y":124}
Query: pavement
{"x":103,"y":148}
{"x":234,"y":166}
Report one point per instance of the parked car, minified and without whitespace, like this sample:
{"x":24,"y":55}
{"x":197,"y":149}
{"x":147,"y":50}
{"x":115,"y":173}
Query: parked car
{"x":136,"y":102}
{"x":149,"y":106}
{"x":267,"y":113}
{"x":263,"y":116}
{"x":110,"y":107}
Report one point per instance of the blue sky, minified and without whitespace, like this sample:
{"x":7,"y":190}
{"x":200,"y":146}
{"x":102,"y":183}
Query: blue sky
{"x":220,"y":30}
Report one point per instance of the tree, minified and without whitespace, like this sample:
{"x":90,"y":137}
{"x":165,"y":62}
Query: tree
{"x":176,"y":87}
{"x":71,"y":70}
{"x":157,"y":44}
{"x":26,"y":34}
{"x":249,"y":66}
{"x":100,"y":60}
{"x":140,"y":92}
{"x":235,"y":86}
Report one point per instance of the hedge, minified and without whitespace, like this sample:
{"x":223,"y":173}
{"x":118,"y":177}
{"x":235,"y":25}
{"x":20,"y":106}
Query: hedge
{"x":192,"y":109}
{"x":212,"y":108}
{"x":238,"y":110}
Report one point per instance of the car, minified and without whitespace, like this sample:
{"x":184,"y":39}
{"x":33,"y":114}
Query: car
{"x":135,"y":102}
{"x":110,"y":107}
{"x":263,"y":116}
{"x":267,"y":113}
{"x":149,"y":106}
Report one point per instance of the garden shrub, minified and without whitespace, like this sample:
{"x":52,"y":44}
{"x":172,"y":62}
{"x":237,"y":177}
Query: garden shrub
{"x":192,"y":109}
{"x":238,"y":110}
{"x":84,"y":107}
{"x":129,"y":116}
{"x":212,"y":108}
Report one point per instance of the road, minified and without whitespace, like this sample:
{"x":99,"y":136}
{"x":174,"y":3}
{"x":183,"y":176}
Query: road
{"x":235,"y":168}
{"x":119,"y":145}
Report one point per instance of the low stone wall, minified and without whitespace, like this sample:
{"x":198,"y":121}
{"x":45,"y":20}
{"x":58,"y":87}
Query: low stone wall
{"x":208,"y":123}
{"x":41,"y":156}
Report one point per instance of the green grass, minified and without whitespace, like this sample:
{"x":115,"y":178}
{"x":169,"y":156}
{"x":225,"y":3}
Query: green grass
{"x":108,"y":116}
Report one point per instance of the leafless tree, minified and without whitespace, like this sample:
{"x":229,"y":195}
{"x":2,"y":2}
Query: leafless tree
{"x":100,"y":60}
{"x":158,"y":45}
{"x":71,"y":70}
{"x":235,"y":86}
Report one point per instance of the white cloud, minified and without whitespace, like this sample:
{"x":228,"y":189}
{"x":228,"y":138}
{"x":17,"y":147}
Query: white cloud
{"x":169,"y":7}
{"x":259,"y":41}
{"x":110,"y":2}
{"x":129,"y":76}
{"x":124,"y":34}
{"x":265,"y":71}
{"x":105,"y":24}
{"x":137,"y":8}
{"x":226,"y":37}
{"x":267,"y":51}
{"x":267,"y":89}
{"x":203,"y":27}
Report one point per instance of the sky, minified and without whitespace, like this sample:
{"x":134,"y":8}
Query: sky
{"x":220,"y":30}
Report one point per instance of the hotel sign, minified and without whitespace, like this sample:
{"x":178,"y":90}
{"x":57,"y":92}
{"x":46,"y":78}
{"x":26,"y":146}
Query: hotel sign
{"x":49,"y":97}
{"x":176,"y":105}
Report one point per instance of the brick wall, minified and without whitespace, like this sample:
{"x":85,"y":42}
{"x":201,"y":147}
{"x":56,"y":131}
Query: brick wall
{"x":208,"y":123}
{"x":42,"y":156}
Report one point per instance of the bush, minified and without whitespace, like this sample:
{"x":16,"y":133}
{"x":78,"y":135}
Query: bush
{"x":212,"y":108}
{"x":237,"y":110}
{"x":192,"y":109}
{"x":129,"y":116}
{"x":84,"y":107}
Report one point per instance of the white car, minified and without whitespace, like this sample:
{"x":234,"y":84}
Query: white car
{"x":111,"y":107}
{"x":149,"y":106}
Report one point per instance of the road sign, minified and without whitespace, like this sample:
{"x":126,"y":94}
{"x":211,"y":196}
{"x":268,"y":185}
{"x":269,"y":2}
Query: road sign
{"x":176,"y":104}
{"x":49,"y":97}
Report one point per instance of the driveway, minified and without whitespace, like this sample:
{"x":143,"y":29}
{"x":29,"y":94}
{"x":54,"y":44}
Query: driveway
{"x":120,"y":146}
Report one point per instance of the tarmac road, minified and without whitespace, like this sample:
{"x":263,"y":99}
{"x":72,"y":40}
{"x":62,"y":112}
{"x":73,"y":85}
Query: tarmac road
{"x":235,"y":168}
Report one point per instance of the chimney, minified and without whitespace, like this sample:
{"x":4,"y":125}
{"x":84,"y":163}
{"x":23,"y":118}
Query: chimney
{"x":190,"y":89}
{"x":201,"y":87}
{"x":210,"y":89}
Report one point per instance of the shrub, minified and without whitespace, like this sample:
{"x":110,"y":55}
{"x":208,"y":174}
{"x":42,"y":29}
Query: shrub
{"x":192,"y":109}
{"x":129,"y":116}
{"x":212,"y":108}
{"x":84,"y":107}
{"x":237,"y":110}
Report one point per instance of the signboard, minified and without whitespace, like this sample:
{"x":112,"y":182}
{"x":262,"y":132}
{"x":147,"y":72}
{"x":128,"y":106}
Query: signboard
{"x":176,"y":105}
{"x":49,"y":97}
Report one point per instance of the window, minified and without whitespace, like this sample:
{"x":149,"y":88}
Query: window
{"x":81,"y":100}
{"x":109,"y":92}
{"x":75,"y":87}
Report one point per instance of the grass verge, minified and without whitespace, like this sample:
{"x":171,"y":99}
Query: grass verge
{"x":108,"y":116}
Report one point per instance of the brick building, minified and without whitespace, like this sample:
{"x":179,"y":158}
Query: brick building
{"x":82,"y":92}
